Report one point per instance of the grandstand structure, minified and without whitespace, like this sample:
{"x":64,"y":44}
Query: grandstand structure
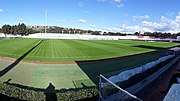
{"x":90,"y":37}
{"x":95,"y":37}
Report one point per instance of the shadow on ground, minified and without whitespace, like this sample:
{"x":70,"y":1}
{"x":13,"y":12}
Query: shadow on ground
{"x":8,"y":68}
{"x":88,"y":93}
{"x":114,"y":66}
{"x":7,"y":98}
{"x":50,"y":93}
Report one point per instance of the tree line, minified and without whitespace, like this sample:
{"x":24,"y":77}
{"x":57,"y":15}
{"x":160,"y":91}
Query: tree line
{"x":154,"y":34}
{"x":19,"y":29}
{"x":71,"y":31}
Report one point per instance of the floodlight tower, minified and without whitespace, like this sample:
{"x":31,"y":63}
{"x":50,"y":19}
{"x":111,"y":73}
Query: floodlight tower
{"x":45,"y":21}
{"x":102,"y":21}
{"x":62,"y":31}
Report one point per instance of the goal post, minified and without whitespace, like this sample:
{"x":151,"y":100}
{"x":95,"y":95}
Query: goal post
{"x":108,"y":91}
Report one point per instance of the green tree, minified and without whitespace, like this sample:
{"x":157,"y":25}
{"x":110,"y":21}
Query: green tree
{"x":15,"y":29}
{"x":12,"y":29}
{"x":6,"y":29}
{"x":22,"y":29}
{"x":178,"y":34}
{"x":96,"y":33}
{"x":29,"y":31}
{"x":136,"y":33}
{"x":0,"y":30}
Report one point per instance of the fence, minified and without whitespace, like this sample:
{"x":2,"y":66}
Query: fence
{"x":108,"y":91}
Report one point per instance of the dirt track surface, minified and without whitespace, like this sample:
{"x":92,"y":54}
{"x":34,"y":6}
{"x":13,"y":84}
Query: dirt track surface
{"x":12,"y":59}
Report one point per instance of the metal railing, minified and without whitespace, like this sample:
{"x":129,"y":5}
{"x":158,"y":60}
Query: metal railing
{"x":108,"y":91}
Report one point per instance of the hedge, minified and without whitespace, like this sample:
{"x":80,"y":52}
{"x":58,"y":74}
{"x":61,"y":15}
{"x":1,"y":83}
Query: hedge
{"x":22,"y":92}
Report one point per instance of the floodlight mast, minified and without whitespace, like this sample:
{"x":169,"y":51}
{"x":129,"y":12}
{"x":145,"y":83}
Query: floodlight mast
{"x":45,"y":21}
{"x":102,"y":20}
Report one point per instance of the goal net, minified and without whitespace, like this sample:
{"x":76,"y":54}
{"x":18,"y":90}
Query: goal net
{"x":108,"y":91}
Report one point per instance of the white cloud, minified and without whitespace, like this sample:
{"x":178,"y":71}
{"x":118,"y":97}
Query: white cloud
{"x":116,"y":29}
{"x":123,"y":29}
{"x":151,"y":24}
{"x":20,"y":19}
{"x":165,"y":24}
{"x":118,"y":3}
{"x":154,"y":26}
{"x":93,"y":26}
{"x":165,"y":19}
{"x":130,"y":29}
{"x":177,"y":20}
{"x":1,"y":10}
{"x":141,"y":17}
{"x":82,"y":21}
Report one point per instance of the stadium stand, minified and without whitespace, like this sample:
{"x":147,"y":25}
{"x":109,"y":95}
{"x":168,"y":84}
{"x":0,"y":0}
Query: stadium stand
{"x":95,"y":37}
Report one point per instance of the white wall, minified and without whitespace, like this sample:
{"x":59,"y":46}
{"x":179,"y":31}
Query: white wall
{"x":91,"y":37}
{"x":83,"y":37}
{"x":2,"y":35}
{"x":178,"y":38}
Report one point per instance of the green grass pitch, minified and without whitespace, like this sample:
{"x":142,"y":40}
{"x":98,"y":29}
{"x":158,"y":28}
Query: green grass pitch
{"x":74,"y":50}
{"x":72,"y":75}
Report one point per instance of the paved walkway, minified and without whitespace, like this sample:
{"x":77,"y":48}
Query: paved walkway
{"x":152,"y":91}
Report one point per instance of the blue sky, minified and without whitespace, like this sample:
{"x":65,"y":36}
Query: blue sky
{"x":118,"y":15}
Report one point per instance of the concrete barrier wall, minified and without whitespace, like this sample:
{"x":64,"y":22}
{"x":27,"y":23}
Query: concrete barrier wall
{"x":84,"y":37}
{"x":125,"y":75}
{"x":88,"y":37}
{"x":137,"y":87}
{"x":178,"y":38}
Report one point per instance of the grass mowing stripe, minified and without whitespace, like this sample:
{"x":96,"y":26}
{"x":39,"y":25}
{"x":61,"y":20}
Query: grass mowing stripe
{"x":124,"y":48}
{"x":73,"y":50}
{"x":25,"y":47}
{"x":93,"y":49}
{"x":113,"y":46}
{"x":77,"y":52}
{"x":74,"y":43}
{"x":84,"y":48}
{"x":90,"y":48}
{"x":17,"y":49}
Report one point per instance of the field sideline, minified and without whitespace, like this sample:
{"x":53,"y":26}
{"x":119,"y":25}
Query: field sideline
{"x":73,"y":75}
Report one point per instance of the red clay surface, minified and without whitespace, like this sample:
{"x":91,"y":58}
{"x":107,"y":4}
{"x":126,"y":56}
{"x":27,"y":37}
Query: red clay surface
{"x":152,"y":91}
{"x":15,"y":60}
